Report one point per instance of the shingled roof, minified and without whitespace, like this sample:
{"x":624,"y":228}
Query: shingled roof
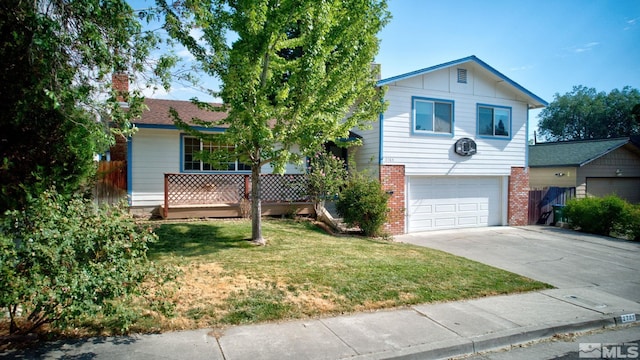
{"x":572,"y":153}
{"x":158,"y":113}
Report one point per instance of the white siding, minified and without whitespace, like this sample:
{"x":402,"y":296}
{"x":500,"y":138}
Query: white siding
{"x":434,"y":155}
{"x":368,"y":154}
{"x":155,"y":152}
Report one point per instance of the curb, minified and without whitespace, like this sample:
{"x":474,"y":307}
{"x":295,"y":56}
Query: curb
{"x":495,"y":341}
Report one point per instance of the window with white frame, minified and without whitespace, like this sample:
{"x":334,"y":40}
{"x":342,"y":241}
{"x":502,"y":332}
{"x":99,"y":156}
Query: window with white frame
{"x":432,"y":116}
{"x":494,"y":121}
{"x":193,"y":145}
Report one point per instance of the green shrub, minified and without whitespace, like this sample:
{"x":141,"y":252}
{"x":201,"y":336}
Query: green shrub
{"x":363,"y":203}
{"x":62,"y":259}
{"x":629,"y":225}
{"x":600,"y":216}
{"x":326,"y":175}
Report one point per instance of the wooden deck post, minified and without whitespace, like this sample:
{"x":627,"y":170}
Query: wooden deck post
{"x":246,"y":186}
{"x":166,"y":196}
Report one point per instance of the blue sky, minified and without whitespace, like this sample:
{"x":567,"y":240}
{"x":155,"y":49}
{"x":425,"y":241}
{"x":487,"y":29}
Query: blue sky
{"x":547,"y":46}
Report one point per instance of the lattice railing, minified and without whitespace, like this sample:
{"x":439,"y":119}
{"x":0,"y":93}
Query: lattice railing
{"x":289,"y":188}
{"x":197,"y":189}
{"x":211,"y":189}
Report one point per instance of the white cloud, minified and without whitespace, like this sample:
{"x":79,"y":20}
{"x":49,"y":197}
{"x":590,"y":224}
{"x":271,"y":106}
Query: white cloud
{"x":155,"y":93}
{"x":521,"y":68}
{"x":631,"y":23}
{"x":584,"y":48}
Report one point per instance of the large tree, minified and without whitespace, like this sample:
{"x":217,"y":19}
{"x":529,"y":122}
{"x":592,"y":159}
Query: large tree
{"x":62,"y":258}
{"x":585,"y":113}
{"x":56,"y":60}
{"x":294,"y":74}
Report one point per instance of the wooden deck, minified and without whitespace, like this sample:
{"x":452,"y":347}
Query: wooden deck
{"x":232,"y":210}
{"x":221,"y":195}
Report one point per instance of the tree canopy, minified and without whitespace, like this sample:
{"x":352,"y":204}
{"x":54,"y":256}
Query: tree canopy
{"x":585,"y":113}
{"x":56,"y":59}
{"x":294,"y":73}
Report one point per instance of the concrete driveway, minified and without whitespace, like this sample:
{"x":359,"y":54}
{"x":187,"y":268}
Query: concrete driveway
{"x":588,"y":268}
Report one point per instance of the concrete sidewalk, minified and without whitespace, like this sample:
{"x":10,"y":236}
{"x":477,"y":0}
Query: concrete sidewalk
{"x":420,"y":332}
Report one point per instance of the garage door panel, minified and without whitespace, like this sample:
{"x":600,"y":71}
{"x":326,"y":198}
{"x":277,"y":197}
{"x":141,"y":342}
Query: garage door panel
{"x":445,"y":222}
{"x":451,"y":202}
{"x":468,"y":207}
{"x":467,"y":220}
{"x":417,"y":208}
{"x":445,"y":208}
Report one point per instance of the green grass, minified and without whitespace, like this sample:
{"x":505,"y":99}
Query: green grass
{"x":304,"y":272}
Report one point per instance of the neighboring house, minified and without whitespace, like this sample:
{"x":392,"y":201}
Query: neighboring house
{"x":593,"y":167}
{"x":451,"y":148}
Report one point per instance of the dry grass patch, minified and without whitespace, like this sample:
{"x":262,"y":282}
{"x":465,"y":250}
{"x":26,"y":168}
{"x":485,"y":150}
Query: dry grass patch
{"x":301,"y":273}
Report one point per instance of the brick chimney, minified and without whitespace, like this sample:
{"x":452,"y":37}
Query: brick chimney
{"x":120,"y":83}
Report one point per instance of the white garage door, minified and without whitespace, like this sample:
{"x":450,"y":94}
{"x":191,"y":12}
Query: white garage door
{"x":452,"y":202}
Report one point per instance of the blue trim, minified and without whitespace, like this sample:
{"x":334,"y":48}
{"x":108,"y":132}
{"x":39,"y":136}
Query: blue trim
{"x":181,"y":168}
{"x":526,"y":139}
{"x":458,"y":62}
{"x":495,"y":137}
{"x":173,"y":127}
{"x":432,"y":133}
{"x":380,"y":135}
{"x":130,"y":170}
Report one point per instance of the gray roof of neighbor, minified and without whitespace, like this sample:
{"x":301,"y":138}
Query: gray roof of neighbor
{"x":572,"y":153}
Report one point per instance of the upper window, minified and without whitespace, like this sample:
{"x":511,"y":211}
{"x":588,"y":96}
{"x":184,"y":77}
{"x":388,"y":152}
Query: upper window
{"x":494,"y":121}
{"x":192,"y":145}
{"x":432,"y":116}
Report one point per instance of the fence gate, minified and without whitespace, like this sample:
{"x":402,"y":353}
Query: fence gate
{"x":541,"y":203}
{"x":111,"y":185}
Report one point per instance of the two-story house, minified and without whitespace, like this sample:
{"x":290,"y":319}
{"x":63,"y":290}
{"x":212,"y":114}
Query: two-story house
{"x":451,"y":148}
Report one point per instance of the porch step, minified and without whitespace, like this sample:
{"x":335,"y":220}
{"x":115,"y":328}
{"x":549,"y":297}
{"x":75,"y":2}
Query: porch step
{"x":329,"y":216}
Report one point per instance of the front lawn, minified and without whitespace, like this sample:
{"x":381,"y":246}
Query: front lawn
{"x":304,"y":272}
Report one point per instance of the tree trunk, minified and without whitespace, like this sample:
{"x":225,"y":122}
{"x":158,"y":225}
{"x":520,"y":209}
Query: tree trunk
{"x":256,"y":207}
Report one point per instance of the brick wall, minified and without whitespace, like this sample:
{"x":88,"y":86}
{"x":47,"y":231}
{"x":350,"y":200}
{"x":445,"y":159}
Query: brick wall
{"x":120,"y":83}
{"x":393,"y":180}
{"x":518,"y":197}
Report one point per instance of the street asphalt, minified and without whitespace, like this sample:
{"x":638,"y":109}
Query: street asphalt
{"x":597,"y":282}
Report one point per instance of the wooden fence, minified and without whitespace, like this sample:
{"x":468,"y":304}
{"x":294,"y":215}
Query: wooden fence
{"x":111,"y":185}
{"x":541,"y":203}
